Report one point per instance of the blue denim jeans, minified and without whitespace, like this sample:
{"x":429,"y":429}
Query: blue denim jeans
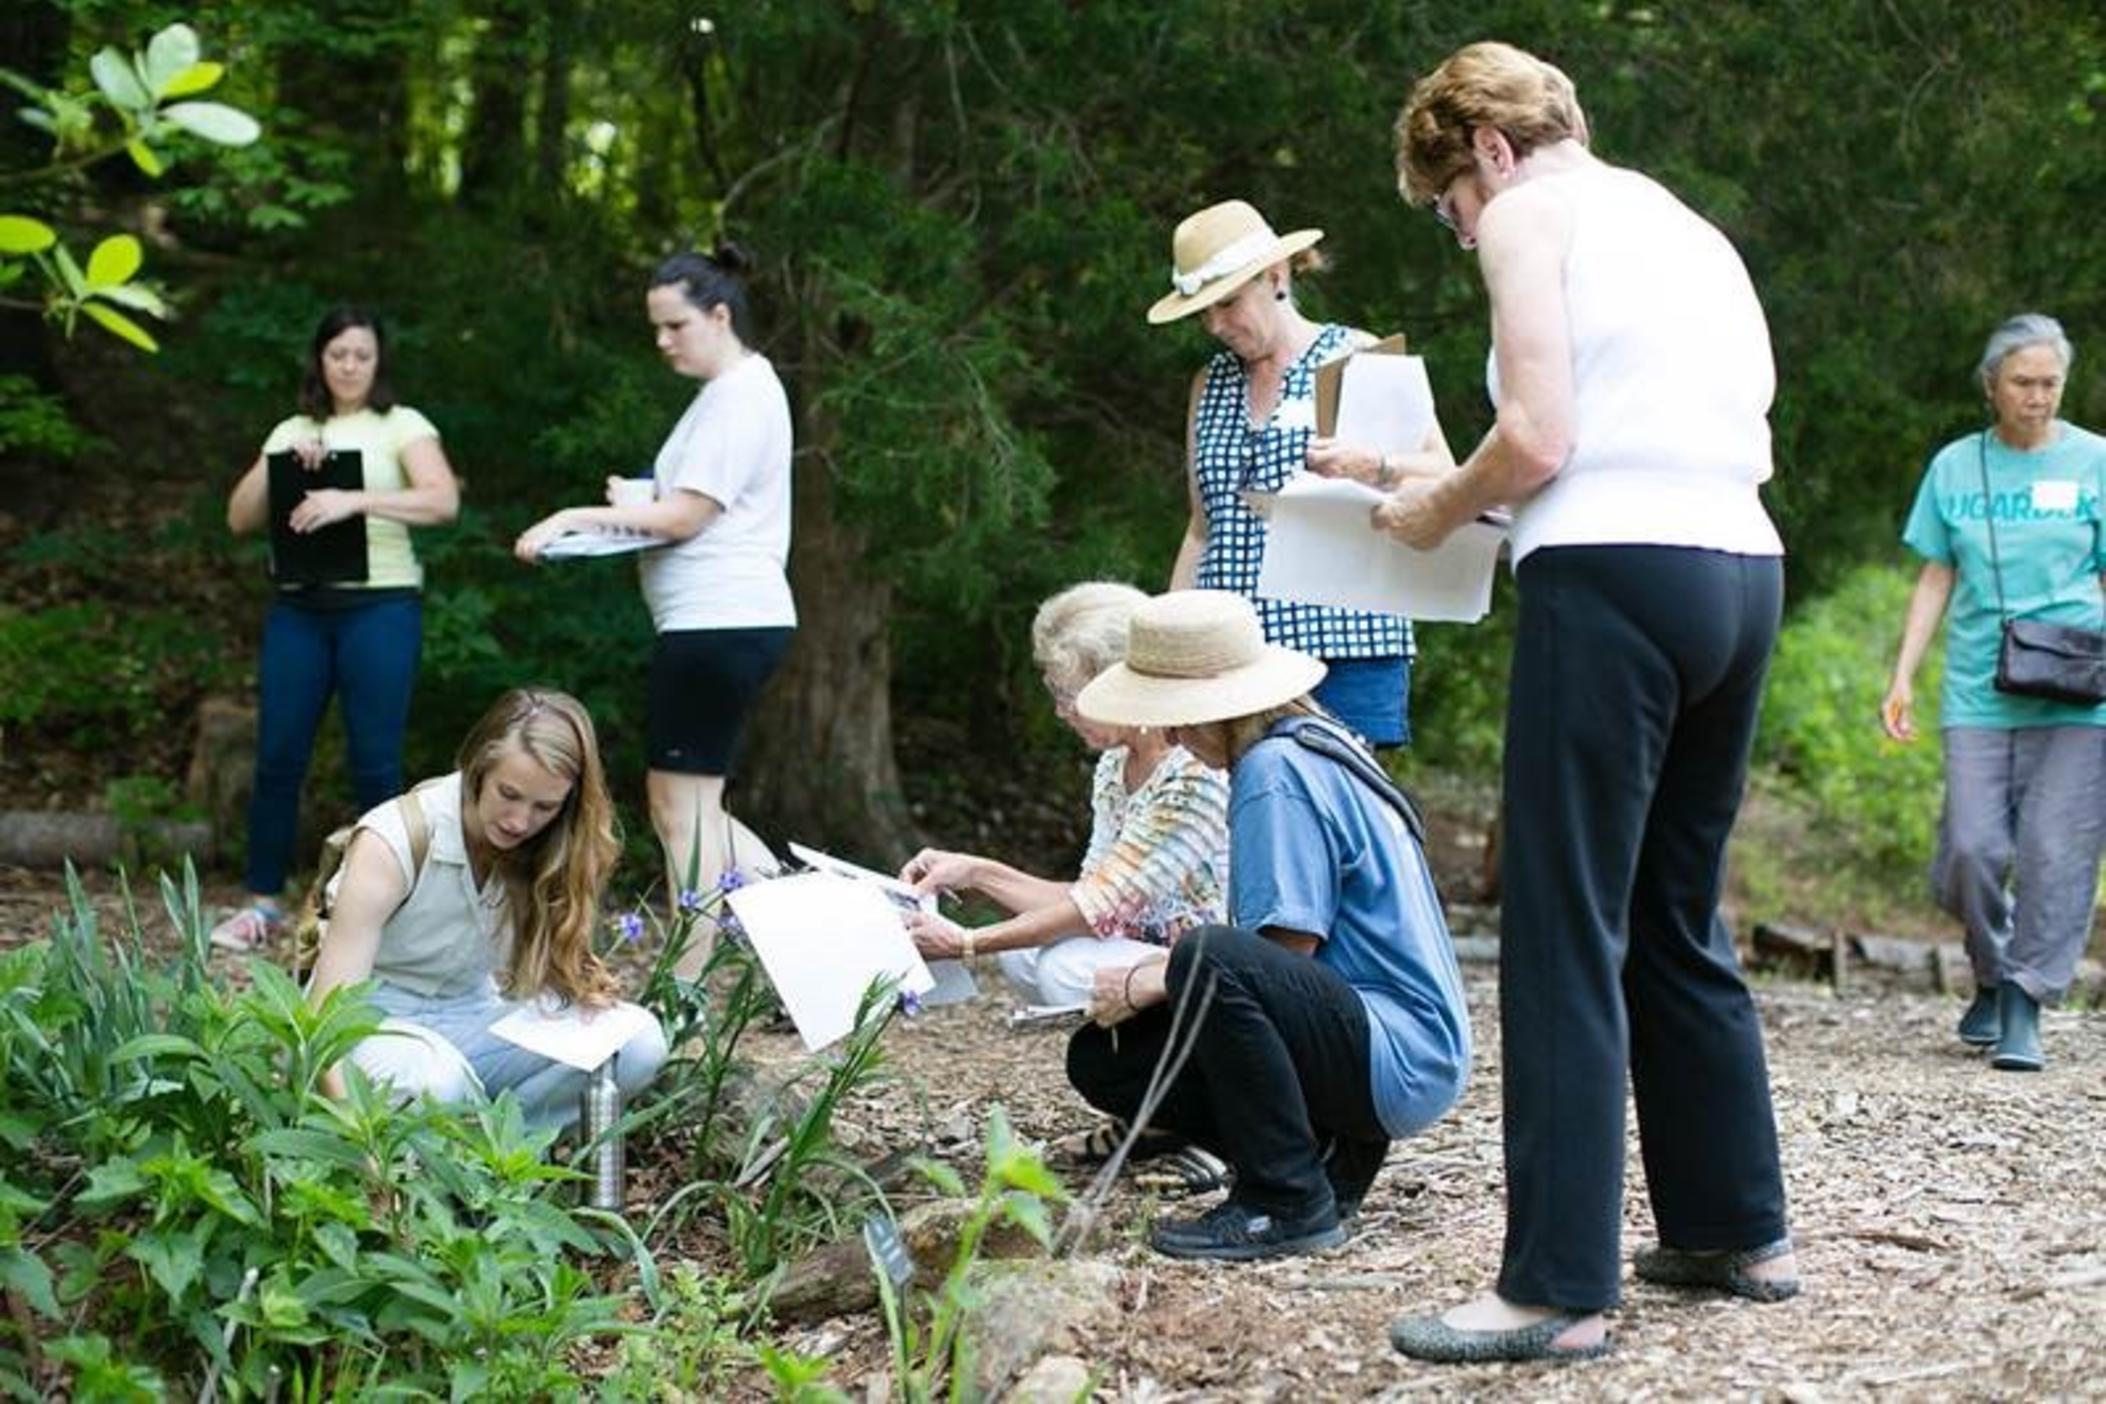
{"x":441,"y":1045}
{"x":366,"y":656}
{"x":1370,"y":695}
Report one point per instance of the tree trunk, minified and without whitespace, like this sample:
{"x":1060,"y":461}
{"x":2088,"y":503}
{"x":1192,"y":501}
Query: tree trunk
{"x":494,"y":155}
{"x":821,"y":768}
{"x":552,"y":118}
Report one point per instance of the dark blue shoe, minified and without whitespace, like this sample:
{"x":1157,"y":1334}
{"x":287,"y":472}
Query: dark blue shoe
{"x":1981,"y":1026}
{"x":2018,"y":1045}
{"x":1236,"y":1233}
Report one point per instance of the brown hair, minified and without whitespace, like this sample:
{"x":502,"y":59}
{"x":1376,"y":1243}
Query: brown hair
{"x":553,"y":881}
{"x":1488,"y":84}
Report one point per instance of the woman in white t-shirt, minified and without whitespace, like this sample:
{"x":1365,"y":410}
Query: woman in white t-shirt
{"x":476,"y":892}
{"x":356,"y":638}
{"x":719,"y":596}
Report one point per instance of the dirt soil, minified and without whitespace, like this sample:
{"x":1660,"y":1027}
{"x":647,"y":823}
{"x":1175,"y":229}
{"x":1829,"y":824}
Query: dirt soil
{"x":1951,"y":1221}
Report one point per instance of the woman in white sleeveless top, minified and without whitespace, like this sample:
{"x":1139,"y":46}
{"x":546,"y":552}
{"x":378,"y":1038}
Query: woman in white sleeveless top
{"x":1631,"y":370}
{"x":496,"y":906}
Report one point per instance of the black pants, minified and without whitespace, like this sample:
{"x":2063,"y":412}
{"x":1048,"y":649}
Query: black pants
{"x":1637,"y":677}
{"x":1278,"y":1072}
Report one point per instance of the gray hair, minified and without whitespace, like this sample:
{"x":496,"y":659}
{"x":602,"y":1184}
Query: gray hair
{"x":2024,"y":330}
{"x":1081,"y":631}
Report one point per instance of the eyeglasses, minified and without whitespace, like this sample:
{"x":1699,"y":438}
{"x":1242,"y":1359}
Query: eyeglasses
{"x":1444,"y":204}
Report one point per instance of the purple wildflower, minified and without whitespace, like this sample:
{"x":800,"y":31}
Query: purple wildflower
{"x":731,"y":880}
{"x":689,"y":901}
{"x":629,"y":926}
{"x":909,"y":1003}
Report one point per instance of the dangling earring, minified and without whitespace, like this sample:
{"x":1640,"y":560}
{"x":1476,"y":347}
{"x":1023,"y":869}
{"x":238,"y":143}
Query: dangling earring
{"x":1279,"y":294}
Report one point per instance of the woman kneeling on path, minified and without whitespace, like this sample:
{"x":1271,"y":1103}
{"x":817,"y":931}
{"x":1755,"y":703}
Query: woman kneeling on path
{"x":499,"y":890}
{"x":1329,"y":1018}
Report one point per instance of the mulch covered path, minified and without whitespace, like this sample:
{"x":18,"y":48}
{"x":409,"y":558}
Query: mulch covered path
{"x":1951,"y":1221}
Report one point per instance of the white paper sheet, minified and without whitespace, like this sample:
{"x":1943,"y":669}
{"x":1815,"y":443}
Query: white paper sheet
{"x":902,"y":894}
{"x":598,"y":541}
{"x":1385,"y":403}
{"x":582,"y":1038}
{"x":823,"y":939}
{"x":1322,"y":549}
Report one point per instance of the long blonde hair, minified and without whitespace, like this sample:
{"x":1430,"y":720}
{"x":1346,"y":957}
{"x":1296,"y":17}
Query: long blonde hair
{"x":553,"y":881}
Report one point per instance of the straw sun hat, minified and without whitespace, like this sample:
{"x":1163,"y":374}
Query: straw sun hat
{"x":1217,"y":251}
{"x":1195,"y":656}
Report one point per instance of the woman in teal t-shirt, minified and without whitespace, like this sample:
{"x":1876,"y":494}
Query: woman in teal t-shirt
{"x":2023,"y":775}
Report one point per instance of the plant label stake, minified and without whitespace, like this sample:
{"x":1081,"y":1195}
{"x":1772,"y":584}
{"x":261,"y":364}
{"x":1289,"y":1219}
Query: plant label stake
{"x":881,"y":1239}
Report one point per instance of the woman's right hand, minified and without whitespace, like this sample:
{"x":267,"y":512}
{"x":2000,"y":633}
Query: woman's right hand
{"x":1898,"y":712}
{"x":310,"y":452}
{"x":1328,"y":458}
{"x":935,"y":870}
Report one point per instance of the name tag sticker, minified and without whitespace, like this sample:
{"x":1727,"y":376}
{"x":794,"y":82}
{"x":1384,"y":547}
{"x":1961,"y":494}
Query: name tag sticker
{"x":2055,"y":495}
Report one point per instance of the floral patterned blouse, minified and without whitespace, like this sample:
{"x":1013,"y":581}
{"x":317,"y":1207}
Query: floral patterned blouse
{"x":1157,"y":863}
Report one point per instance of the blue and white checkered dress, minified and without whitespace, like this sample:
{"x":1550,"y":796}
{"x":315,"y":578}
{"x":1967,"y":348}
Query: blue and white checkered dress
{"x":1232,"y":457}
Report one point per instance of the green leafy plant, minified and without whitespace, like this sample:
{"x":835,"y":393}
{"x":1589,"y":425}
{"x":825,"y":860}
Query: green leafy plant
{"x":138,"y":102}
{"x":931,"y":1345}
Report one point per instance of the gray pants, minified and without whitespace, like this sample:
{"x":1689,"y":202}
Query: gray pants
{"x":2018,"y":849}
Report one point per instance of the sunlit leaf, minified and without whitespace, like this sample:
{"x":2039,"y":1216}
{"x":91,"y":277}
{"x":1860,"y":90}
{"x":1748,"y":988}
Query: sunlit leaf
{"x":169,"y":55}
{"x":114,"y":261}
{"x":145,"y":157}
{"x":194,"y":79}
{"x":114,"y":76}
{"x":69,"y":271}
{"x":136,"y":297}
{"x":118,"y":324}
{"x":19,"y":234}
{"x":214,"y":121}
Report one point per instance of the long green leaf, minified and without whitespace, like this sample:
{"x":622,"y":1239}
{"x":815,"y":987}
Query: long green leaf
{"x":116,"y":323}
{"x":214,"y":121}
{"x":114,"y":75}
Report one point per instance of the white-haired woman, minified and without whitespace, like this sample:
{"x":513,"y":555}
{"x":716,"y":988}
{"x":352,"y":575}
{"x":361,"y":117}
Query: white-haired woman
{"x":1158,"y":834}
{"x":1328,"y":1018}
{"x":2007,"y":521}
{"x":1251,"y":426}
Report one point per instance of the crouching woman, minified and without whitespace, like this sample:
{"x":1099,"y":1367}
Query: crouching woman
{"x":473,"y":893}
{"x":1329,"y":1013}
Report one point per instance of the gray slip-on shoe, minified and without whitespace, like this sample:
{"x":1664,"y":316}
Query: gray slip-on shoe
{"x":1432,"y":1339}
{"x":1722,"y":1270}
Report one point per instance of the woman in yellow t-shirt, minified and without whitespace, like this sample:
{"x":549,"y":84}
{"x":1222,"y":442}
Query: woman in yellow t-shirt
{"x":355,"y":638}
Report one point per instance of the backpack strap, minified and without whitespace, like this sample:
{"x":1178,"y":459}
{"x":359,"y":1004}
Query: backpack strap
{"x":417,"y":825}
{"x":1331,"y":740}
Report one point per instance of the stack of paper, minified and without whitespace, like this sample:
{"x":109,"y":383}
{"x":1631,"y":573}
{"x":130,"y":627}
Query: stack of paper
{"x":599,"y":541}
{"x":1322,"y":548}
{"x":568,"y":1033}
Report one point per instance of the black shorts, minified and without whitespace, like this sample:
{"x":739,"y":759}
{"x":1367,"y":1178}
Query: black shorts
{"x":703,"y":682}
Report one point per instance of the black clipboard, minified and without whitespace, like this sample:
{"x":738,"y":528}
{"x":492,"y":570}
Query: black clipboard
{"x":336,"y":554}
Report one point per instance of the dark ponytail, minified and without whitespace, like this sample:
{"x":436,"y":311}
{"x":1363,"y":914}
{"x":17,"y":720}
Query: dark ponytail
{"x":717,"y":278}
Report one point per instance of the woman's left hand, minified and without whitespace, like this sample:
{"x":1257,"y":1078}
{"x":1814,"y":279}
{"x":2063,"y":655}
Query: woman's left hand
{"x":936,"y":937}
{"x":1417,"y":514}
{"x":322,"y":507}
{"x":1118,"y":993}
{"x":531,"y":541}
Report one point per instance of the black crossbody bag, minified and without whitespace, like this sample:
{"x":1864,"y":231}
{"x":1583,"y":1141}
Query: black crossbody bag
{"x":2035,"y":658}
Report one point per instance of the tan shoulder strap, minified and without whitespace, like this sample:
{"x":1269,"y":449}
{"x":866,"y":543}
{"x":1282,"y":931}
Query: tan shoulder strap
{"x":417,"y":825}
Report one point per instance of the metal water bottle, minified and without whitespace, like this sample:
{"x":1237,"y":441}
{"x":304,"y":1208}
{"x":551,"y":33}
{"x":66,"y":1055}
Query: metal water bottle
{"x":599,"y":1112}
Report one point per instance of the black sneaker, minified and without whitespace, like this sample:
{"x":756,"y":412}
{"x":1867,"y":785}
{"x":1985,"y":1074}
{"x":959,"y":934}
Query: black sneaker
{"x":1235,"y":1233}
